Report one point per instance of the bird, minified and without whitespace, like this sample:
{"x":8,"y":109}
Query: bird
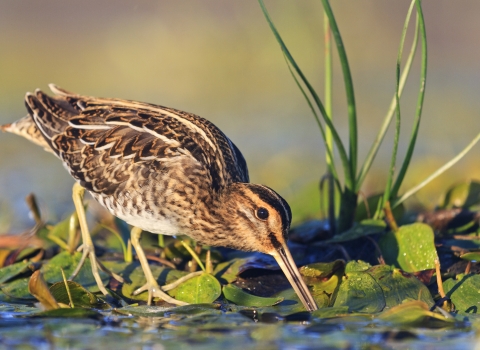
{"x":160,"y":170}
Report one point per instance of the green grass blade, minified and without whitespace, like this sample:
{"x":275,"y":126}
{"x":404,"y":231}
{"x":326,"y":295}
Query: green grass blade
{"x":347,"y":76}
{"x":328,"y":85}
{"x":391,"y":172}
{"x":437,"y":173}
{"x":421,"y":96}
{"x":391,"y":109}
{"x":349,"y":175}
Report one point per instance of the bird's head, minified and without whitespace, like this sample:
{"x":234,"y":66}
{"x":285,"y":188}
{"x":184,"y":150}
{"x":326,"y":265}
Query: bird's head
{"x":259,"y":220}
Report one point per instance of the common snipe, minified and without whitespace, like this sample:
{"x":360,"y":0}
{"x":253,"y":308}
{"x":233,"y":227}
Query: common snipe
{"x":160,"y":170}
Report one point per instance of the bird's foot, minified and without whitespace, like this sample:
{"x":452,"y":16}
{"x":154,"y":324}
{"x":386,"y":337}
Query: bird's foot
{"x":89,"y":251}
{"x":154,"y":291}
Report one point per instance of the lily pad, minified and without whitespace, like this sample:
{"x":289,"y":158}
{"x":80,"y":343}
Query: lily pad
{"x":238,"y":296}
{"x":200,"y":289}
{"x":411,"y":248}
{"x":464,"y":292}
{"x":398,"y":286}
{"x":52,"y":270}
{"x":361,"y":293}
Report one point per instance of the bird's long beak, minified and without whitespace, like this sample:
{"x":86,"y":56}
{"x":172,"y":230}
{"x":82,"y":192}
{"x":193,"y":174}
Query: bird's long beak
{"x":285,"y":260}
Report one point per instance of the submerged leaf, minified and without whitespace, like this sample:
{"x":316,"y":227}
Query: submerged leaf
{"x":238,"y":296}
{"x":410,"y":313}
{"x":198,"y":290}
{"x":411,"y":248}
{"x":328,"y":312}
{"x":69,"y":313}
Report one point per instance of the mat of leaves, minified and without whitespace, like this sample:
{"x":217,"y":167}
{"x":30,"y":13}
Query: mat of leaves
{"x":245,"y":300}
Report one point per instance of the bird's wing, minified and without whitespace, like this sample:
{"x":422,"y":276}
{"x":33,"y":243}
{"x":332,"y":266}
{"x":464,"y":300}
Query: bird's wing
{"x":100,"y":139}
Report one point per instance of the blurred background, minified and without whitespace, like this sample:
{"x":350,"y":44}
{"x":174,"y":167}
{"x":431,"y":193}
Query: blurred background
{"x":219,"y":59}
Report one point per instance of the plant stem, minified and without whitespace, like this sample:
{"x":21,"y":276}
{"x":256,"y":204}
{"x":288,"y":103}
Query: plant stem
{"x":347,"y":76}
{"x":421,"y":96}
{"x":348,"y":205}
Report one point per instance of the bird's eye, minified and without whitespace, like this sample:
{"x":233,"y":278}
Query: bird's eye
{"x":262,"y":213}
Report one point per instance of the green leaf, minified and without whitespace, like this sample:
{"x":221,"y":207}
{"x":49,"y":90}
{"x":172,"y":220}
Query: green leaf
{"x":11,"y":271}
{"x":361,"y":293}
{"x":471,"y":256}
{"x":80,"y":296}
{"x":52,"y":270}
{"x":198,"y":290}
{"x":398,"y":286}
{"x":238,"y":296}
{"x":18,"y":289}
{"x":357,"y":266}
{"x":462,"y":195}
{"x":464,"y":292}
{"x":362,"y":229}
{"x":411,"y":248}
{"x":321,"y":270}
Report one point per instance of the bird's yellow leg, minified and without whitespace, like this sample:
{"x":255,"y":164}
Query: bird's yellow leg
{"x":151,"y":286}
{"x":87,"y":246}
